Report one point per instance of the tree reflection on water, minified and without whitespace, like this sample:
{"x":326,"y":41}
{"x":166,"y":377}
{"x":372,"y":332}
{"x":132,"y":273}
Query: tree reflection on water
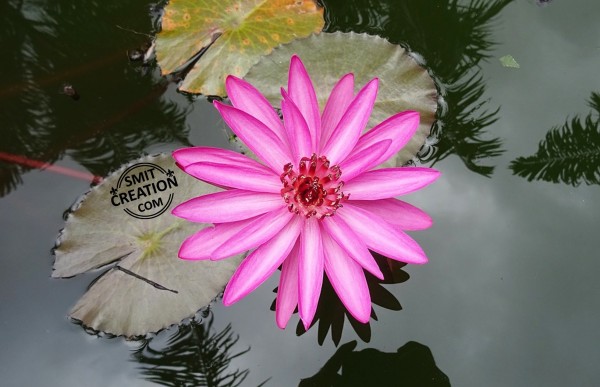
{"x":121,"y":110}
{"x":194,"y":355}
{"x":569,"y":154}
{"x":453,"y":58}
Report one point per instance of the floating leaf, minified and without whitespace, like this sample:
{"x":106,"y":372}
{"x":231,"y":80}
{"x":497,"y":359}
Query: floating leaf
{"x":403,"y":83}
{"x":149,"y":287}
{"x":509,"y":61}
{"x":233,"y":33}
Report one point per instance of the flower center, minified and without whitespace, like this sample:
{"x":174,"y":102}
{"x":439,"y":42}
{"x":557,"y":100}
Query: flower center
{"x":315,"y":190}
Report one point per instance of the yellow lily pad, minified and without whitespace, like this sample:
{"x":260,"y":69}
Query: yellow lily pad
{"x":229,"y":35}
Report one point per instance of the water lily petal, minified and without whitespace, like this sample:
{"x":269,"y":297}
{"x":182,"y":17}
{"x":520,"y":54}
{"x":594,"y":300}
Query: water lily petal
{"x":187,"y":156}
{"x":236,"y":176}
{"x":351,"y":243}
{"x":256,"y":136}
{"x":201,"y":244}
{"x":337,"y":104}
{"x":228,"y":206}
{"x":389,"y":182}
{"x":363,"y":160}
{"x":399,"y":128}
{"x":310,"y":270}
{"x":254,"y":234}
{"x":302,"y":92}
{"x":348,"y":280}
{"x":382,"y":237}
{"x":347,"y":132}
{"x":287,"y":292}
{"x":259,"y":265}
{"x":396,"y":212}
{"x":247,"y":98}
{"x":296,"y":129}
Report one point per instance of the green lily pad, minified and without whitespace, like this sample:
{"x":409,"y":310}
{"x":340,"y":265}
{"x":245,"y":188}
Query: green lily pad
{"x":148,"y":288}
{"x":235,"y":34}
{"x":403,"y":83}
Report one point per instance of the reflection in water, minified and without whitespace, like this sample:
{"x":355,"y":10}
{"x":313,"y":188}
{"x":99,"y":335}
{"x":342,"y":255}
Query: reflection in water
{"x":569,"y":154}
{"x":454,"y":58}
{"x":331,"y":312}
{"x":194,"y":355}
{"x":411,"y":365}
{"x":105,"y":127}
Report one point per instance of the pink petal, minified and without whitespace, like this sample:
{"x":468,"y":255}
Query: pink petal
{"x":302,"y":92}
{"x":247,"y":98}
{"x":351,"y":243}
{"x":396,"y":212}
{"x":236,"y":176}
{"x":228,"y":206}
{"x":296,"y":129}
{"x":346,"y":134}
{"x":389,"y":182}
{"x":195,"y":246}
{"x":259,"y":265}
{"x":287,"y":293}
{"x":254,"y":234}
{"x":348,"y":280}
{"x":187,"y":156}
{"x":310,"y":270}
{"x":201,"y":244}
{"x":337,"y":104}
{"x":382,"y":237}
{"x":256,"y":136}
{"x":363,"y":160}
{"x":399,"y":128}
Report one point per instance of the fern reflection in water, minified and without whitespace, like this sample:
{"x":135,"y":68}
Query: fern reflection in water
{"x":569,"y":154}
{"x":453,"y":59}
{"x":193,"y":356}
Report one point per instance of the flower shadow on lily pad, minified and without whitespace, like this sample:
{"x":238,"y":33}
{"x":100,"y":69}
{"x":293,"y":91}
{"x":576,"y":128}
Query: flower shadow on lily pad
{"x":331,"y":313}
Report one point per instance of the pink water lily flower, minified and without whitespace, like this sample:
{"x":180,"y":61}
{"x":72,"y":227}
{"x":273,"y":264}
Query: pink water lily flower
{"x":313,"y":203}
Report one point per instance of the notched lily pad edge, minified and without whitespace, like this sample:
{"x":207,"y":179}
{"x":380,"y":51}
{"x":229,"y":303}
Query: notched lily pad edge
{"x":200,"y":316}
{"x":436,"y":129}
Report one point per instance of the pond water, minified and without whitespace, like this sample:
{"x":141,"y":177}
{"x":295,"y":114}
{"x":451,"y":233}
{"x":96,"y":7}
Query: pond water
{"x":510,"y":295}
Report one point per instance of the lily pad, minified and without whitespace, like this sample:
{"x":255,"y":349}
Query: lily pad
{"x":233,"y":33}
{"x":148,"y":288}
{"x":404,"y":84}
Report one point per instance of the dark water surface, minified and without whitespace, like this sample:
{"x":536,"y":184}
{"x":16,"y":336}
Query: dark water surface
{"x":510,"y":296}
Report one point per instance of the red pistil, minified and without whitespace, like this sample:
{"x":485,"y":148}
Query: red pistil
{"x":315,"y":190}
